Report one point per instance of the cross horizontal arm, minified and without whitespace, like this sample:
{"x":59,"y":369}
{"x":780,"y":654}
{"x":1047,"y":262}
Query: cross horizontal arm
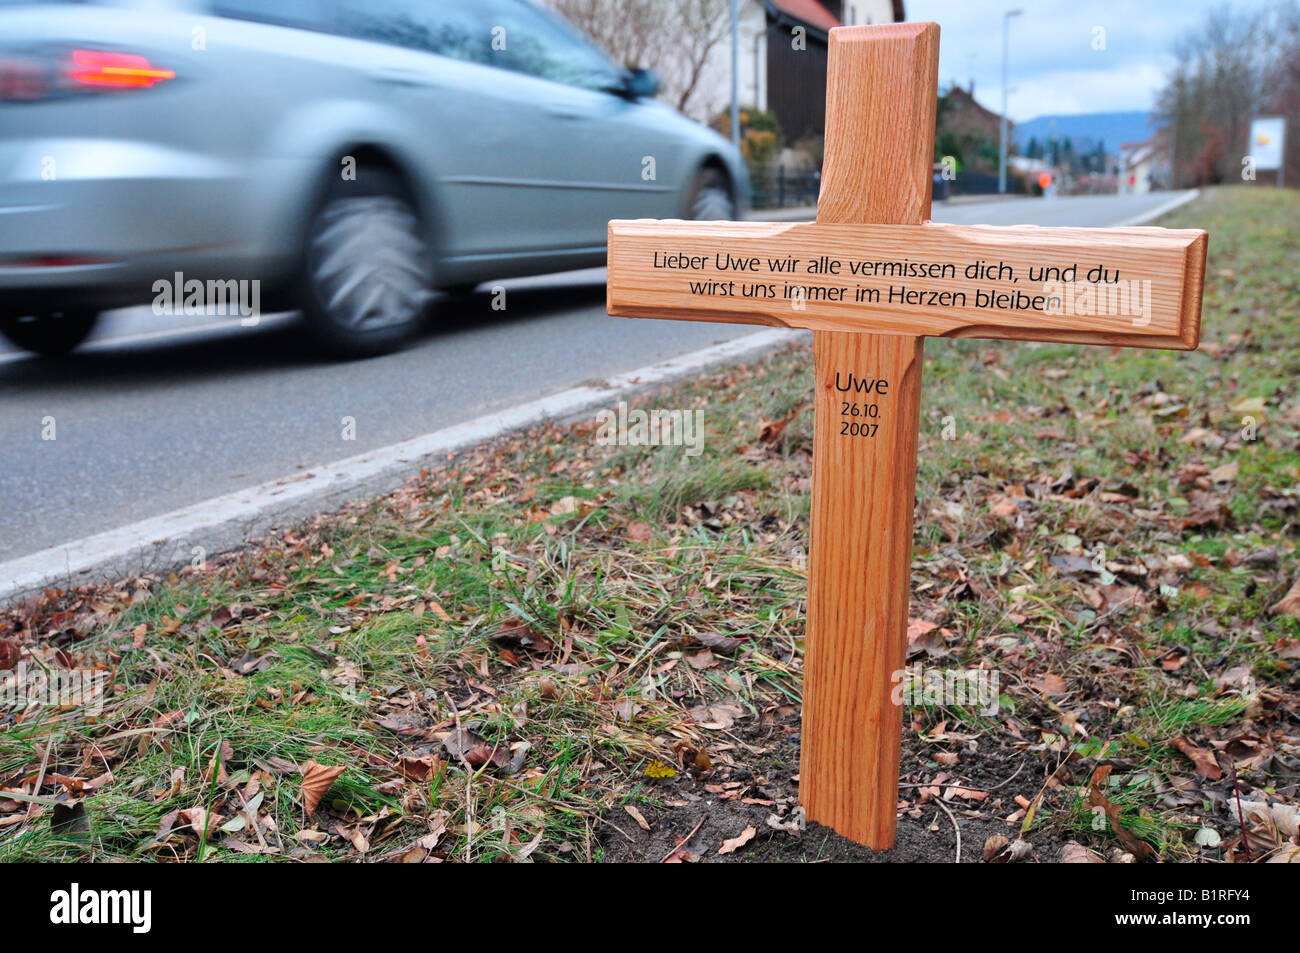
{"x":1139,"y":287}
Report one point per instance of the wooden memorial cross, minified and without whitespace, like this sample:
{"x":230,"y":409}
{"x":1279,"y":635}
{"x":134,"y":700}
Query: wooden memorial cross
{"x":872,"y":279}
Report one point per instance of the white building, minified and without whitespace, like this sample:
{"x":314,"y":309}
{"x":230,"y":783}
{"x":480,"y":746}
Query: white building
{"x":1145,"y":167}
{"x":783,"y":51}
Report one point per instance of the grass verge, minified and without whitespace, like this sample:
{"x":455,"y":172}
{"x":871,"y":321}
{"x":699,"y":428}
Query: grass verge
{"x":552,"y":649}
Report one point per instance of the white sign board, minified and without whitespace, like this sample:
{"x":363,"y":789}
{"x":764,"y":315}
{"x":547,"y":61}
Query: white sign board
{"x":1266,"y":139}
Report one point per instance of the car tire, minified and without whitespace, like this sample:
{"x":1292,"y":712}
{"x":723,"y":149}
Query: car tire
{"x":53,"y":334}
{"x":366,"y":275}
{"x":710,"y":197}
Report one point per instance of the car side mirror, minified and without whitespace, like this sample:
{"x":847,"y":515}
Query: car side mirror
{"x":640,"y":83}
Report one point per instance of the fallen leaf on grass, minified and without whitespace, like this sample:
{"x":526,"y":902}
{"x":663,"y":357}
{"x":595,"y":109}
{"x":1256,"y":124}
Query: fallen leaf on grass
{"x":523,"y":637}
{"x":69,"y":817}
{"x":10,"y":653}
{"x":640,"y":531}
{"x":626,"y":708}
{"x":205,"y":823}
{"x":572,"y":506}
{"x":770,"y":430}
{"x":792,"y":823}
{"x":999,"y":850}
{"x":1225,"y":473}
{"x":404,"y":722}
{"x":316,"y":780}
{"x":1097,"y":798}
{"x":924,"y":637}
{"x":1290,"y":603}
{"x":1287,"y":647}
{"x":733,"y":844}
{"x":718,"y":643}
{"x":248,"y":663}
{"x":917,"y":628}
{"x":637,"y":816}
{"x":1076,"y":853}
{"x":701,"y":660}
{"x":475,"y":750}
{"x":76,"y":786}
{"x":1000,"y":505}
{"x":1207,"y":510}
{"x":716,"y":717}
{"x":1206,"y":766}
{"x":1050,"y":684}
{"x":1174,"y":659}
{"x":1268,"y":826}
{"x":1208,"y":837}
{"x":419,"y":769}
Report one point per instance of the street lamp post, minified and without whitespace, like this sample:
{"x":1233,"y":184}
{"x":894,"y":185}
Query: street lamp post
{"x":1002,"y":144}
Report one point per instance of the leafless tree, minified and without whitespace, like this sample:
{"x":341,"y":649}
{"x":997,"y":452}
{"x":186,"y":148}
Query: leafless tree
{"x":1235,"y":66}
{"x":674,"y":37}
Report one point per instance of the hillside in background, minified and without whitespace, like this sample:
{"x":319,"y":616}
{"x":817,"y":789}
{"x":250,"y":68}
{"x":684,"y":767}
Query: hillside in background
{"x":1086,"y":129}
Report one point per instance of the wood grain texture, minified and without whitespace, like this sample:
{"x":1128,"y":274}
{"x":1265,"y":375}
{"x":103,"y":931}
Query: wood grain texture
{"x":881,"y":93}
{"x":859,"y":584}
{"x":1155,"y":302}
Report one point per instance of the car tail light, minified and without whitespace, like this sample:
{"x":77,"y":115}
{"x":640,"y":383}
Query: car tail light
{"x":31,"y":76}
{"x":98,"y":68}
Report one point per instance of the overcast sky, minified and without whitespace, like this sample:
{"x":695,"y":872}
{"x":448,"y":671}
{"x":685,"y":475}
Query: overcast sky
{"x":1053,"y":66}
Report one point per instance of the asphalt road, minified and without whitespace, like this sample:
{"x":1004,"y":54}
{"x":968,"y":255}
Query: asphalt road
{"x":154,"y":415}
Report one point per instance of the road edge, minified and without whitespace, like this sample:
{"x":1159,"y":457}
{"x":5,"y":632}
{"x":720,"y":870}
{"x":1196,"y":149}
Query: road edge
{"x":231,"y":521}
{"x":1162,"y":209}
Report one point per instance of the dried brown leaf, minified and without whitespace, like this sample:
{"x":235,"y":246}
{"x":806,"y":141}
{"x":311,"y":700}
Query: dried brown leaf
{"x":316,"y":780}
{"x":733,"y":844}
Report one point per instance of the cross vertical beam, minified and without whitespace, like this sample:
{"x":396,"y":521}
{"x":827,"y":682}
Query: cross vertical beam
{"x":882,"y":90}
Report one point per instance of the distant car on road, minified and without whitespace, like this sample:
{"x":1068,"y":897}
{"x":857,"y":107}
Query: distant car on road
{"x":350,"y":158}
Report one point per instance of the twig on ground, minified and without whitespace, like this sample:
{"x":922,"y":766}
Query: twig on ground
{"x":955,"y":826}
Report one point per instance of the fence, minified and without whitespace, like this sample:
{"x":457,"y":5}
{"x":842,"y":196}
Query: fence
{"x":773,"y":185}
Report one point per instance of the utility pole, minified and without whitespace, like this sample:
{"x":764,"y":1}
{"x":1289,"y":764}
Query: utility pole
{"x":735,"y":73}
{"x":1002,"y":144}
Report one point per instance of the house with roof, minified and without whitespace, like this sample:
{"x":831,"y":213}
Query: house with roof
{"x":1146,"y":166}
{"x":783,"y":57}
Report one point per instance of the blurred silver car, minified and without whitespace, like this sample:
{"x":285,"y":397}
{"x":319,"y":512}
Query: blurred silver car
{"x":345,"y":160}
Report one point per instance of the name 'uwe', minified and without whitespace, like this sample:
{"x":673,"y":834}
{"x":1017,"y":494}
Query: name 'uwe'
{"x":862,"y":385}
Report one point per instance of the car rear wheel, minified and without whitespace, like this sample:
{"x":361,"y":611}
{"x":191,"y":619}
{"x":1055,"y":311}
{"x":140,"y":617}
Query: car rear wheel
{"x":53,"y":334}
{"x":711,"y":198}
{"x":367,"y":274}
